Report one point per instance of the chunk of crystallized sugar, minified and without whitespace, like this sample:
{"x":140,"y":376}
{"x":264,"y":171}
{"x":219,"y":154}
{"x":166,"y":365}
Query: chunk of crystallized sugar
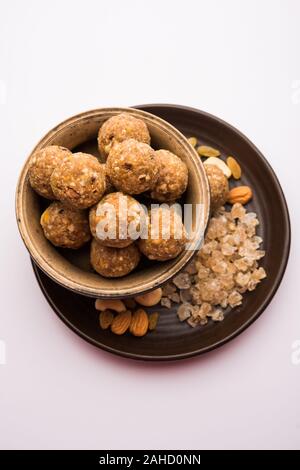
{"x":193,"y":322}
{"x":227,"y":249}
{"x":203,"y":272}
{"x":184,"y":311}
{"x":227,"y":281}
{"x":238,"y":211}
{"x":174,"y":297}
{"x":185,"y":295}
{"x":259,"y":274}
{"x":242,"y":279}
{"x":196,"y":294}
{"x":204,"y":309}
{"x":165,"y":302}
{"x":182,"y":281}
{"x":217,"y":315}
{"x":219,"y":266}
{"x":168,"y":289}
{"x":241,"y":264}
{"x":257,"y":240}
{"x":234,"y":298}
{"x":250,"y":219}
{"x":191,"y":268}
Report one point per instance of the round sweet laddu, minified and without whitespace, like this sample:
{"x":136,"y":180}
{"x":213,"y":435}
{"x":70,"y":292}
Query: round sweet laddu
{"x":41,"y":166}
{"x":132,"y":167}
{"x":109,"y":187}
{"x":79,"y":181}
{"x":172,"y":177}
{"x":166,"y":235}
{"x":65,"y":227}
{"x":218,"y":184}
{"x":114,"y":262}
{"x":119,"y":219}
{"x":119,"y":128}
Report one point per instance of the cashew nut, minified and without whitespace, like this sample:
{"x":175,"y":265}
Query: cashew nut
{"x":110,"y":304}
{"x":220,"y":164}
{"x":149,"y":299}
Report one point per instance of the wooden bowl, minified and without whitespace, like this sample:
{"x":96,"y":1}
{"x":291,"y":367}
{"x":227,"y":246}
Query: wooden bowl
{"x":72,"y":269}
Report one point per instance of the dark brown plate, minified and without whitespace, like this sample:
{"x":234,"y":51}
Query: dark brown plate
{"x":172,"y":339}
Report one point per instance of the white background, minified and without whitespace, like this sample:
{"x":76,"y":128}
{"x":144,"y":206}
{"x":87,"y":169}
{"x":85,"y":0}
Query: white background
{"x":236,"y":59}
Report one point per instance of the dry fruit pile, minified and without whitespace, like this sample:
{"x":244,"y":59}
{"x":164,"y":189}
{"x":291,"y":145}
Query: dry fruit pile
{"x":126,"y":315}
{"x":82,"y":188}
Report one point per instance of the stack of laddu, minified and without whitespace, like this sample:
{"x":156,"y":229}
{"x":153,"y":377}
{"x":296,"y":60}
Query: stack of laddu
{"x":80,"y":186}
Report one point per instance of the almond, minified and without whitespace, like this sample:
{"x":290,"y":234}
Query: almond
{"x":206,"y":151}
{"x":241,"y":194}
{"x":106,"y":319}
{"x":139,"y":323}
{"x":234,"y":167}
{"x":121,"y":322}
{"x":150,"y":298}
